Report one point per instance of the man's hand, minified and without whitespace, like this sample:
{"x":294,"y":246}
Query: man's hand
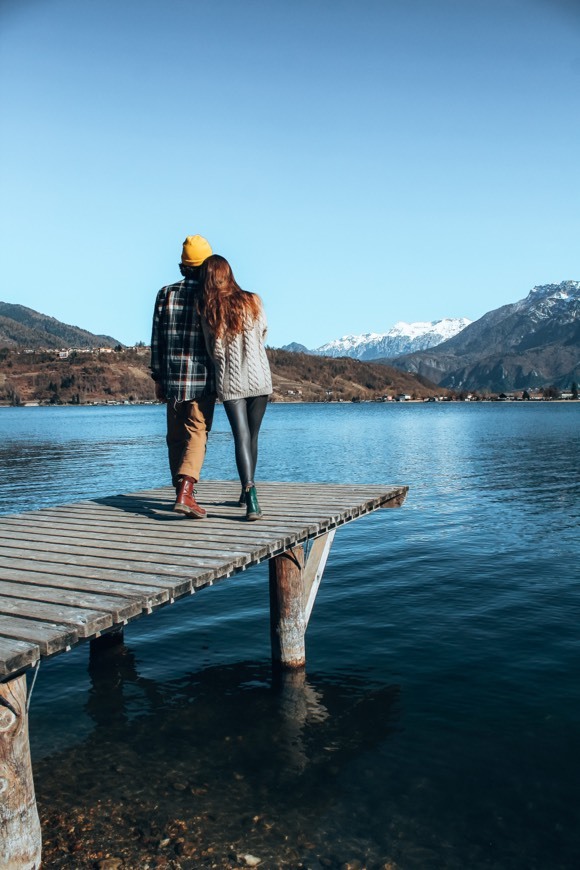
{"x":159,"y":395}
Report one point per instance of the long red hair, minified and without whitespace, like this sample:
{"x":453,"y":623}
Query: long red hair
{"x":226,"y":307}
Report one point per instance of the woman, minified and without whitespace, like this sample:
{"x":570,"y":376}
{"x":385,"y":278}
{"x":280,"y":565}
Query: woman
{"x":234,"y":325}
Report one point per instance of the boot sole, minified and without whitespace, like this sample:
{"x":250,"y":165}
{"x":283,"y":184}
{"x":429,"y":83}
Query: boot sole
{"x":189,"y":512}
{"x":252,"y":517}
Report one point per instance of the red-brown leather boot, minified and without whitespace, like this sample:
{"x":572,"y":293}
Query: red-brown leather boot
{"x":185,"y":502}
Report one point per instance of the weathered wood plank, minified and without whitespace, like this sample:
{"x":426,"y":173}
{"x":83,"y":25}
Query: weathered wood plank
{"x":165,"y":556}
{"x":86,"y":622}
{"x":49,"y":637}
{"x":97,"y":559}
{"x":17,"y":567}
{"x":120,"y":609}
{"x":111,"y":549}
{"x":16,"y":655}
{"x":205,"y":534}
{"x":247,"y":533}
{"x":139,"y":593}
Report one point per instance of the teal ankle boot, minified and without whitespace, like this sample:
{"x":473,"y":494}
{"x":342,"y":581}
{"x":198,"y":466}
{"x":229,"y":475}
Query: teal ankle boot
{"x":253,"y":511}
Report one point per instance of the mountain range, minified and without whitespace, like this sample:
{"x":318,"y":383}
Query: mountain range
{"x":531,"y":343}
{"x":24,"y":327}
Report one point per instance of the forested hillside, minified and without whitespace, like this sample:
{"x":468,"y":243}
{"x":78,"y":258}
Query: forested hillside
{"x":123,"y":375}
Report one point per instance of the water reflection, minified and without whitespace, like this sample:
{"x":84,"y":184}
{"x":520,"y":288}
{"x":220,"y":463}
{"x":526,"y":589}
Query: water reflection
{"x":112,"y":673}
{"x":276,"y":724}
{"x":239,"y":756}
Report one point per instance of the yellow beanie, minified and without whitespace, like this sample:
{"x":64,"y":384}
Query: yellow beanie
{"x":196,"y":249}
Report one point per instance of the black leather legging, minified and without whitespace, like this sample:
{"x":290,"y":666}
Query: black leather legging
{"x":245,"y":416}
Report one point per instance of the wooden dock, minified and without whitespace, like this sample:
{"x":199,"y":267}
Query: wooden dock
{"x":82,"y":571}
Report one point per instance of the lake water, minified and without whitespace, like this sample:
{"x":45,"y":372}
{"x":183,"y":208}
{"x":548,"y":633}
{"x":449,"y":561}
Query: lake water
{"x":437,"y":724}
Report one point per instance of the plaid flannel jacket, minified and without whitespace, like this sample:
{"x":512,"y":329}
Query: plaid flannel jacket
{"x":179,"y":358}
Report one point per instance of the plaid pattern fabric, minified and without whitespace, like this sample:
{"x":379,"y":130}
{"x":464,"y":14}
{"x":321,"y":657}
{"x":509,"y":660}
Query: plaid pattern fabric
{"x":179,"y":358}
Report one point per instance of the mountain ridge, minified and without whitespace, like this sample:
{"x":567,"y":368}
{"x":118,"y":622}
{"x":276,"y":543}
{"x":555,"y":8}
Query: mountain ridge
{"x":525,"y":344}
{"x":24,"y":327}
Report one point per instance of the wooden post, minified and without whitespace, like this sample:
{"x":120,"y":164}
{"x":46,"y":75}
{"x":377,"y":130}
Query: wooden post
{"x":287,"y":623}
{"x":20,"y":837}
{"x":314,"y":569}
{"x":106,"y":642}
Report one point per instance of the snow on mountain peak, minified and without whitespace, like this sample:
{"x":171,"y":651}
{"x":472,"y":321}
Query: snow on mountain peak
{"x":401,"y":338}
{"x":564,"y":290}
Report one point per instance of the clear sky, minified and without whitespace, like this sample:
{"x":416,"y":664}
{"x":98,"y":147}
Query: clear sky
{"x":359,"y":162}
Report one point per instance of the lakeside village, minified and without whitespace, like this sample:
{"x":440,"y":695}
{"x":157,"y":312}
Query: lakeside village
{"x":134,"y":382}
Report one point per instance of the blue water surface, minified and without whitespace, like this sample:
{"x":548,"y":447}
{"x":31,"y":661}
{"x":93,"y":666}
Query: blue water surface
{"x":439,"y":717}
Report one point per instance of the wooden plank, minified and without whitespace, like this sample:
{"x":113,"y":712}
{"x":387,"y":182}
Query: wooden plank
{"x":110,"y":549}
{"x":246,"y":534}
{"x":21,"y":568}
{"x":214,"y":538}
{"x":16,"y":655}
{"x":86,"y":622}
{"x":120,"y":609}
{"x":99,"y":558}
{"x":283,"y":527}
{"x":49,"y":637}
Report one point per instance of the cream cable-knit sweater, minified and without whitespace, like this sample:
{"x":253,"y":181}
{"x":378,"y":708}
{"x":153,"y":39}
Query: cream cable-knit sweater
{"x":241,"y":365}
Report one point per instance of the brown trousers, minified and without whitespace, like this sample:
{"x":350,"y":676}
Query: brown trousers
{"x":188,"y":425}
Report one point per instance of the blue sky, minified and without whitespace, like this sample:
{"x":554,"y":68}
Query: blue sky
{"x":359,"y":163}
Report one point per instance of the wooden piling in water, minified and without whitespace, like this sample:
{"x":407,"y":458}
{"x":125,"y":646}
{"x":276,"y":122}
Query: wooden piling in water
{"x":287,"y":622}
{"x":20,"y":837}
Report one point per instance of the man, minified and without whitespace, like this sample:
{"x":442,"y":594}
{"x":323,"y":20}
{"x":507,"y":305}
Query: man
{"x":184,"y":375}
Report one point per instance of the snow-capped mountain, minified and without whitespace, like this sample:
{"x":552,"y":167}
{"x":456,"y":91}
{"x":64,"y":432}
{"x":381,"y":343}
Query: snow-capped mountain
{"x":533,"y":342}
{"x":401,"y":338}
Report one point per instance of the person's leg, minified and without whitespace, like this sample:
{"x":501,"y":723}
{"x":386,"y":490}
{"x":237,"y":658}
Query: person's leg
{"x":176,"y":438}
{"x":188,"y":445}
{"x":197,"y":418}
{"x":256,"y":408}
{"x":237,"y":415}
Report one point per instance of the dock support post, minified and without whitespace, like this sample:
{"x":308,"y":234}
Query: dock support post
{"x":314,"y":569}
{"x":20,"y":836}
{"x":287,"y":623}
{"x":294,"y":583}
{"x":105,"y":642}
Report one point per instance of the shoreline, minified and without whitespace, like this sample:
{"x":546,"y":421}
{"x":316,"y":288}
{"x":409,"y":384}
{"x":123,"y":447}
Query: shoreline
{"x":127,"y":404}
